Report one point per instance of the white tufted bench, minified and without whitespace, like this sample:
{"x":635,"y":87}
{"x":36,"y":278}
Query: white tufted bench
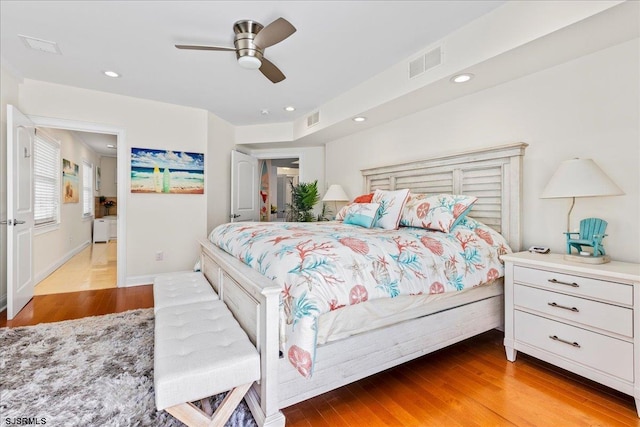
{"x":200,"y":351}
{"x":179,"y":288}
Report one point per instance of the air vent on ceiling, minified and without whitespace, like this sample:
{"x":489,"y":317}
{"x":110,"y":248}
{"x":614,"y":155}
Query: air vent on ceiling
{"x":313,"y":119}
{"x":41,"y":45}
{"x":425,"y":62}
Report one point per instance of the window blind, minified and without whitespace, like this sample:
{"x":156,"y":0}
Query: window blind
{"x":47,"y":169}
{"x":87,"y":189}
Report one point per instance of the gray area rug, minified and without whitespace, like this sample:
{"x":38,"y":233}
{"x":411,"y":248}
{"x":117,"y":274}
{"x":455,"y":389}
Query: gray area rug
{"x":94,"y":371}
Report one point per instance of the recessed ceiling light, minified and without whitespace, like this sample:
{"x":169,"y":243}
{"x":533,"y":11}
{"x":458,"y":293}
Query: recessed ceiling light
{"x":462,"y":78}
{"x":359,"y":119}
{"x":111,"y":146}
{"x":290,"y":108}
{"x":109,"y":73}
{"x":264,"y":112}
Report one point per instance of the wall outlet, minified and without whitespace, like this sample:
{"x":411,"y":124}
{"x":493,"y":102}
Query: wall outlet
{"x":159,"y":255}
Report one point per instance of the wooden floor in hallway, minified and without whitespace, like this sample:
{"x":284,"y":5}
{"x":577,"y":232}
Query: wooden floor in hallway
{"x":95,"y":267}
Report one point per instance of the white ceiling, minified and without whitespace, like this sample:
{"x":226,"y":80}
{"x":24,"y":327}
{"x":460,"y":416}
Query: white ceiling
{"x":99,"y":142}
{"x":338,"y":45}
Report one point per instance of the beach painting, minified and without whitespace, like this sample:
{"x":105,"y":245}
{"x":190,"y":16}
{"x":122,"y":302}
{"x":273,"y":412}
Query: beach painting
{"x":70,"y":179}
{"x":166,"y":171}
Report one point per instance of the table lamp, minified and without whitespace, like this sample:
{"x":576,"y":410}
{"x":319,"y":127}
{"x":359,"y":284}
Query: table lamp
{"x":335,"y":194}
{"x":579,"y":178}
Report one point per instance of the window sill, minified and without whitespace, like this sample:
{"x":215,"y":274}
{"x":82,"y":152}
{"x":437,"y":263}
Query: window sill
{"x":45,"y":228}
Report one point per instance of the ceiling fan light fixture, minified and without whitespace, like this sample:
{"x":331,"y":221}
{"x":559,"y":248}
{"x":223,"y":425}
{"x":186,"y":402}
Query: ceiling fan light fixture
{"x":249,"y":62}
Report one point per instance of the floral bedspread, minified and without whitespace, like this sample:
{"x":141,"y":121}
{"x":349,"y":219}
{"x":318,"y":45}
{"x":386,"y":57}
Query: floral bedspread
{"x":326,"y":266}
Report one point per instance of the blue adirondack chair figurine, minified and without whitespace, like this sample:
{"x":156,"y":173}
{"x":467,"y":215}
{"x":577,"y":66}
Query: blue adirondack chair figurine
{"x":591,"y":234}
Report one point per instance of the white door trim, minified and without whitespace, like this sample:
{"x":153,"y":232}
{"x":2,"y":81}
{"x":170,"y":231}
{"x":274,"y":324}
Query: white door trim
{"x":123,"y":179}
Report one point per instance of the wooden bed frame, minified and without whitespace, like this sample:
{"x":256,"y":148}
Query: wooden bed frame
{"x":492,"y":174}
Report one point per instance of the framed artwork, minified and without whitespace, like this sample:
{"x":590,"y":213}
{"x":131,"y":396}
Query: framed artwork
{"x":70,"y":179}
{"x":98,"y":178}
{"x":166,"y":171}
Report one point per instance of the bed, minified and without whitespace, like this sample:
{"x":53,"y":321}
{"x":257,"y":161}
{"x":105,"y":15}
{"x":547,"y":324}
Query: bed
{"x":493,"y":175}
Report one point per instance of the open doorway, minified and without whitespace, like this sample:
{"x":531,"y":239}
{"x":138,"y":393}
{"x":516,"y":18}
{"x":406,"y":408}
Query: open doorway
{"x":276,"y":195}
{"x":75,"y":242}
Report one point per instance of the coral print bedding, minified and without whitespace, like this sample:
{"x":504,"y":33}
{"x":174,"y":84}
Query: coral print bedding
{"x":323,"y":267}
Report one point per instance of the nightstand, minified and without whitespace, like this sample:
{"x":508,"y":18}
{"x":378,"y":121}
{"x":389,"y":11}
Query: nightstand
{"x":581,"y":317}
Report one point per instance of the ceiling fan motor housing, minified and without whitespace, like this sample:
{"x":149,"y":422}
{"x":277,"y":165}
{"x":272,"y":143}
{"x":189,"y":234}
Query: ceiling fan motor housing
{"x":246,"y":31}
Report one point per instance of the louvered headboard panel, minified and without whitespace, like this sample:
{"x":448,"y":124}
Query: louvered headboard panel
{"x":494,"y":175}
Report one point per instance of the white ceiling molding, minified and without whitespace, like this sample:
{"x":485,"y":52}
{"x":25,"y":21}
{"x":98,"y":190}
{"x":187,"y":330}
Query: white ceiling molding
{"x":494,"y":48}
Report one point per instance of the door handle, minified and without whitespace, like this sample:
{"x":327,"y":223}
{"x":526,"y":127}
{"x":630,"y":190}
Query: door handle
{"x":234,"y":216}
{"x":13,"y":222}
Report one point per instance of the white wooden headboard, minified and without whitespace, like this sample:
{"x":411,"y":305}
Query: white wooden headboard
{"x":494,"y":175}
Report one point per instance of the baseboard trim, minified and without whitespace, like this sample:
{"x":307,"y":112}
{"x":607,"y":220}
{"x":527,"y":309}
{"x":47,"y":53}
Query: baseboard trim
{"x":56,"y":265}
{"x":138,"y":281}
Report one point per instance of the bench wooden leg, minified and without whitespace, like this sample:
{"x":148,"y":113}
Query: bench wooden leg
{"x":192,"y":416}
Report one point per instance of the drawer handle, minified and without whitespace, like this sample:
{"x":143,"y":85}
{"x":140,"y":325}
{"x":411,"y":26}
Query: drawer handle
{"x":573,"y":284}
{"x":573,"y":344}
{"x":553,"y":304}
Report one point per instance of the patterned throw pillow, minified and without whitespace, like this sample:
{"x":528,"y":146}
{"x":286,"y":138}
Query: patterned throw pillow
{"x":440,"y":212}
{"x":362,"y":214}
{"x":365,"y":198}
{"x":391,"y":204}
{"x":343,"y":211}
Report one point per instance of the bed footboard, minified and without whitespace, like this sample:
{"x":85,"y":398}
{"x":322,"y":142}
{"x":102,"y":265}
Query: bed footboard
{"x":254,"y":301}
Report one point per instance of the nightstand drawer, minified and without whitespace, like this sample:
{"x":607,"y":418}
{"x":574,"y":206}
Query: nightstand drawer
{"x":595,"y":314}
{"x":606,"y":354}
{"x":580,"y":286}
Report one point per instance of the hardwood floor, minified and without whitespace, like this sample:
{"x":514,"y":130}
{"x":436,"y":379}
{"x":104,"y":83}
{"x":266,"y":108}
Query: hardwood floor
{"x":467,"y":384}
{"x":95,"y":267}
{"x":74,"y":305}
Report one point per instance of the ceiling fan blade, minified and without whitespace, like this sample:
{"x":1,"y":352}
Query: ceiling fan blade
{"x":274,"y":33}
{"x":271,"y":72}
{"x":194,"y":47}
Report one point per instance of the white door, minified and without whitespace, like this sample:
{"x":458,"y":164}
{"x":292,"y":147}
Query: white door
{"x":20,"y":137}
{"x":244,"y":187}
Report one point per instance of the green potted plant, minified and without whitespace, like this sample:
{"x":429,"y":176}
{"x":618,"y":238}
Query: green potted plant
{"x":304,"y":196}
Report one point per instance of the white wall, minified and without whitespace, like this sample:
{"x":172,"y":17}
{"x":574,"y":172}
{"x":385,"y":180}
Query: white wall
{"x":108,"y":181}
{"x":584,"y":108}
{"x":220,"y":142}
{"x":54,"y":247}
{"x":8,"y":95}
{"x":170,"y":223}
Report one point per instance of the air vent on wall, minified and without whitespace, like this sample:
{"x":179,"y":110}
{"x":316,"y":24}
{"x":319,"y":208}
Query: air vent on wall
{"x":425,"y":62}
{"x":313,"y":119}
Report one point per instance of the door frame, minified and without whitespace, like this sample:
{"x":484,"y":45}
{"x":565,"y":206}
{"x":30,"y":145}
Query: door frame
{"x":279,"y":153}
{"x":77,"y":125}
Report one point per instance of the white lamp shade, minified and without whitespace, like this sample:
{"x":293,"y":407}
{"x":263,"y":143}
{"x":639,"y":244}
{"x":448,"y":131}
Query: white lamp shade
{"x":335,"y":193}
{"x":580,"y":178}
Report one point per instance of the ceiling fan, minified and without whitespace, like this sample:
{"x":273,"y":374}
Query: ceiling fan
{"x":250,"y":41}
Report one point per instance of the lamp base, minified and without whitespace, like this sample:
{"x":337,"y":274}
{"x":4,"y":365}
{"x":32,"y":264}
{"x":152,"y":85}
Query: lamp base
{"x":588,"y":259}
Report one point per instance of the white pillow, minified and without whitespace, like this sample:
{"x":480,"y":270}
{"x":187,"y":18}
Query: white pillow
{"x":391,"y":204}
